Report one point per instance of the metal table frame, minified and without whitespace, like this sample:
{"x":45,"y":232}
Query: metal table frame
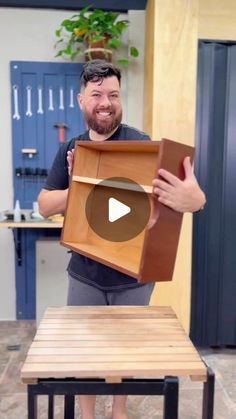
{"x":167,"y":387}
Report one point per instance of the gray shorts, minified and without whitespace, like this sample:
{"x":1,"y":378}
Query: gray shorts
{"x":81,"y":294}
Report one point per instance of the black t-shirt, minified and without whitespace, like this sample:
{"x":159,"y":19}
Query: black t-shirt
{"x":81,"y":267}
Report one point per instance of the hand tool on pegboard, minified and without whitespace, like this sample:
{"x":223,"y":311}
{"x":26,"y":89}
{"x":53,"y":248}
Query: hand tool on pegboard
{"x":61,"y":126}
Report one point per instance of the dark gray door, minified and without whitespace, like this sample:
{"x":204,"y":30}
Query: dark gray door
{"x":213,"y":320}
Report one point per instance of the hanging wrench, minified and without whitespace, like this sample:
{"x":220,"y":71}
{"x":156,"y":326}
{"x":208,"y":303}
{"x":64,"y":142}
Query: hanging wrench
{"x":40,"y":100}
{"x":28,"y":111}
{"x":16,"y":114}
{"x":61,"y":106}
{"x":50,"y":107}
{"x":71,"y":105}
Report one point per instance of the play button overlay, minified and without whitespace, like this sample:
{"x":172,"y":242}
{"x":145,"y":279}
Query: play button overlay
{"x":117,"y":209}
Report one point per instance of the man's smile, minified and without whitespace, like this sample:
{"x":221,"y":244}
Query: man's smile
{"x":104,"y":114}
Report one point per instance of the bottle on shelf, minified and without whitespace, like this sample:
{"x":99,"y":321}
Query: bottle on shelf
{"x":17,"y":212}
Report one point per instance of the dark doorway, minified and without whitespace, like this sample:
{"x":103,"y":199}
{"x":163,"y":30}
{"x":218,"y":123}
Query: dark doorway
{"x":213,"y":316}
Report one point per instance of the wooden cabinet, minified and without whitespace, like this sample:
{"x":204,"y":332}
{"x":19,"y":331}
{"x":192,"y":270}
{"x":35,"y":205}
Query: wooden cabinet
{"x":101,"y":171}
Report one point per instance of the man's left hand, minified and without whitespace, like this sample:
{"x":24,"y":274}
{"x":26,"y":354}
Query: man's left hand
{"x":180,"y":195}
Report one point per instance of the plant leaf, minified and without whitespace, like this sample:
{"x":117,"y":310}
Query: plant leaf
{"x":123,"y":61}
{"x":134,"y":52}
{"x":114,"y":43}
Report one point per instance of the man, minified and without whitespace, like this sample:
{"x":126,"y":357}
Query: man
{"x":91,"y":283}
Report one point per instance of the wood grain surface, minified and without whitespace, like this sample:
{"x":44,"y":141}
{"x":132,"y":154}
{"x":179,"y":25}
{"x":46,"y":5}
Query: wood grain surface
{"x":111,"y":343}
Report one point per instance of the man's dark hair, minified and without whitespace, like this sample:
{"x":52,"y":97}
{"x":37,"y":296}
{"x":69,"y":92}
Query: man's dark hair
{"x":97,"y":70}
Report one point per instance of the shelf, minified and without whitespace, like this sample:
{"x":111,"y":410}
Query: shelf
{"x":114,"y":184}
{"x":126,"y":257}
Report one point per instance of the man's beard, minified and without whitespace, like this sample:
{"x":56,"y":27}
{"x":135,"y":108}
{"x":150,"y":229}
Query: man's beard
{"x":102,"y":127}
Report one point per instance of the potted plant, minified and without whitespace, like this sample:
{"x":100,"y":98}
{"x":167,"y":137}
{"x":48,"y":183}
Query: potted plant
{"x":92,"y":33}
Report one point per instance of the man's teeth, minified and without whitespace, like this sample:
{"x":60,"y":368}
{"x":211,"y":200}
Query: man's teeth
{"x":104,"y":113}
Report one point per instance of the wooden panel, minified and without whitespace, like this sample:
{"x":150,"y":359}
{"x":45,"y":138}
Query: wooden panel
{"x":104,"y":350}
{"x":124,"y":146}
{"x":89,"y":345}
{"x":118,"y":369}
{"x":125,"y":258}
{"x":137,"y":166}
{"x":104,"y":358}
{"x":86,"y":162}
{"x":174,"y":72}
{"x":171,"y":68}
{"x":217,"y":20}
{"x":161,"y":241}
{"x":145,"y":342}
{"x":150,"y":56}
{"x":135,"y":311}
{"x":77,"y":225}
{"x":98,"y":326}
{"x":114,"y":184}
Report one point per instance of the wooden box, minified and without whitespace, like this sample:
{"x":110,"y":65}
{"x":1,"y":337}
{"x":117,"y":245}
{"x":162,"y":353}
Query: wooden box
{"x":150,"y":255}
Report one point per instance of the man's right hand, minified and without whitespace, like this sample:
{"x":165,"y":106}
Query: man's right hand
{"x":70,"y":160}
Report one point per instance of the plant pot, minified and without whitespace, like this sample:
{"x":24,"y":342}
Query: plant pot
{"x":98,"y":53}
{"x":98,"y":50}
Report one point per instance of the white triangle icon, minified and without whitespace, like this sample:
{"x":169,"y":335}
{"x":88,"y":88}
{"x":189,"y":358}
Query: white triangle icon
{"x":117,"y":209}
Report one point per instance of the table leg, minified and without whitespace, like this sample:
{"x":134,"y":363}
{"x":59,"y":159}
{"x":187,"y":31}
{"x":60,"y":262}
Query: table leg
{"x":171,"y":396}
{"x":32,"y":402}
{"x":69,"y":407}
{"x":208,"y":395}
{"x":51,"y":406}
{"x":17,"y":236}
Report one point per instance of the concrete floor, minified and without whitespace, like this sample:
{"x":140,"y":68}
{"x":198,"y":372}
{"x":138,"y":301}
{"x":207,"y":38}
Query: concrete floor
{"x":16,"y":337}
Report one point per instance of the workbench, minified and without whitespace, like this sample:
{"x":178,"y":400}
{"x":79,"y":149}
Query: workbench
{"x":25,"y":235}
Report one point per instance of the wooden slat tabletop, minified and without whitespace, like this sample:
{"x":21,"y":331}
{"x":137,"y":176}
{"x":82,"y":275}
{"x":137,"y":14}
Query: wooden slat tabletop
{"x":114,"y":341}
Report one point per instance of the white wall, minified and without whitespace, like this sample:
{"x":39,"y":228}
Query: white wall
{"x":50,"y":275}
{"x":28,"y":34}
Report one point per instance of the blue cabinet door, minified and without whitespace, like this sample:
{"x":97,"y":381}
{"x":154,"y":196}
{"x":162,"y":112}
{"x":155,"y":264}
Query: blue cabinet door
{"x":44,"y":96}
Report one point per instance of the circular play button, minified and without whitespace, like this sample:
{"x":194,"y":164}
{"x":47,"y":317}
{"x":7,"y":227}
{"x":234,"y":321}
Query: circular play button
{"x":117,"y":209}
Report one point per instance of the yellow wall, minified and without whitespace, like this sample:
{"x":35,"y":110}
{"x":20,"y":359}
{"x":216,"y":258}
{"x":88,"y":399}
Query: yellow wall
{"x":172,"y":92}
{"x":217,"y":19}
{"x":174,"y":27}
{"x":149,"y":68}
